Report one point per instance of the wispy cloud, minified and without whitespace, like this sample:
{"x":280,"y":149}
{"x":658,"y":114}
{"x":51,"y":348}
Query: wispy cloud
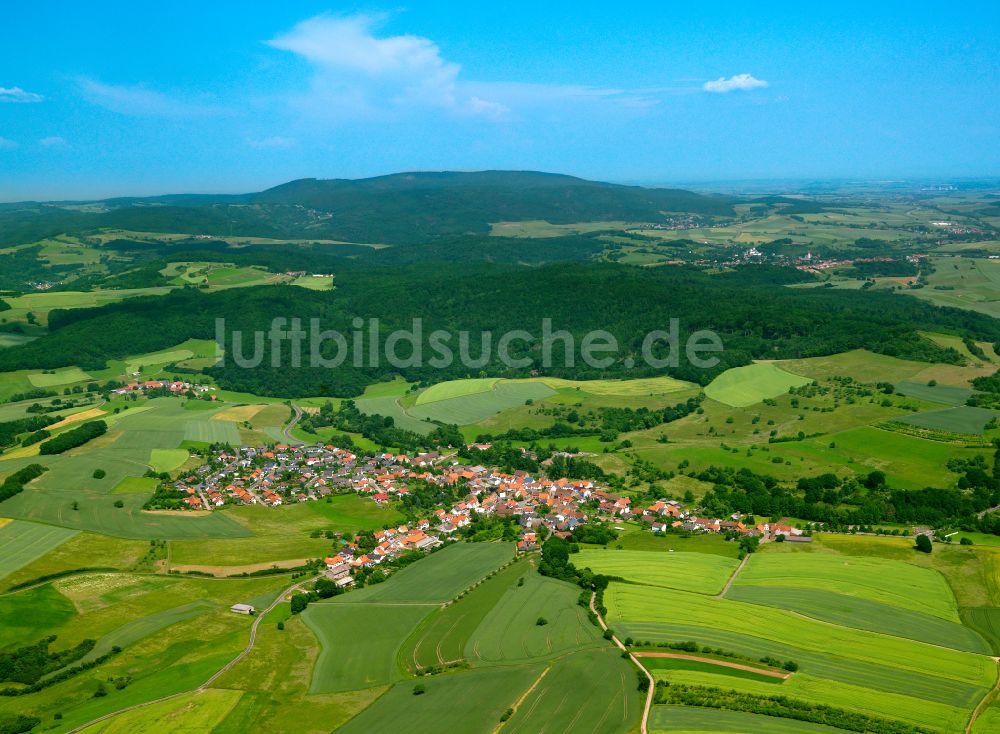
{"x":53,"y":141}
{"x":144,"y":102}
{"x":274,"y":142}
{"x":358,"y":71}
{"x":16,"y":94}
{"x":7,"y":144}
{"x":739,"y":82}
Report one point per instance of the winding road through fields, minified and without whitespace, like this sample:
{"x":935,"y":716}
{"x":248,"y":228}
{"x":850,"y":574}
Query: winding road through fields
{"x":223,"y":670}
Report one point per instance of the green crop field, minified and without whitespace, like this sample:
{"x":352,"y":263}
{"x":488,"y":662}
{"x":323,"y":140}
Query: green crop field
{"x":705,"y":573}
{"x":510,"y":632}
{"x":840,"y":666}
{"x":743,"y":386}
{"x":455,"y":389}
{"x":283,"y":533}
{"x":651,"y":663}
{"x":167,"y":460}
{"x":685,"y":719}
{"x":592,"y":691}
{"x":864,"y":614}
{"x":59,"y":377}
{"x":359,"y":642}
{"x":466,"y":703}
{"x":131,"y":485}
{"x":388,"y":405}
{"x":945,"y":394}
{"x":953,"y":420}
{"x":440,"y":577}
{"x":641,"y":387}
{"x":23,"y":542}
{"x":443,"y":635}
{"x":477,"y":406}
{"x":881,"y":580}
{"x":212,"y":431}
{"x":985,"y":621}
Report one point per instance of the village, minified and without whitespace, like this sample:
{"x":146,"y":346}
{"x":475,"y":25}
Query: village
{"x":283,"y":474}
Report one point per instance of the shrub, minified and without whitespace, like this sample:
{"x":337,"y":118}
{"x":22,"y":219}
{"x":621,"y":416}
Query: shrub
{"x":419,"y":689}
{"x":100,"y":474}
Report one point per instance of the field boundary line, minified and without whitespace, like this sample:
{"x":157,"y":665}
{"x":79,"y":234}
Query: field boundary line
{"x":215,"y":676}
{"x":643,"y":726}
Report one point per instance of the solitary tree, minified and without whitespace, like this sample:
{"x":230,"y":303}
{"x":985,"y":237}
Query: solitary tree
{"x":924,"y":544}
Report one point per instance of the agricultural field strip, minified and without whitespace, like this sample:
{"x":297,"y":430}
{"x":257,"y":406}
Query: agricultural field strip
{"x":23,"y":542}
{"x":699,"y":572}
{"x":852,"y":611}
{"x":828,"y":666}
{"x":651,"y":604}
{"x":685,"y":720}
{"x":878,"y":579}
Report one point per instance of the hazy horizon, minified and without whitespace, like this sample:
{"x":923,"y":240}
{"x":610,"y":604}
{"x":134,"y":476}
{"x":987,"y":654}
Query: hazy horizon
{"x":144,"y":101}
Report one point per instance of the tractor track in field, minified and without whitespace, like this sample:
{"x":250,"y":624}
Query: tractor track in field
{"x":986,"y":700}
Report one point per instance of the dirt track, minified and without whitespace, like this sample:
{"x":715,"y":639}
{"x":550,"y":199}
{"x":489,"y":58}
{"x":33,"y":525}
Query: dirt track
{"x":714,"y":661}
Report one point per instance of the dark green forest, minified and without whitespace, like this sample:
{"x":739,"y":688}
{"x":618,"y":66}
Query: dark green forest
{"x":754,"y":316}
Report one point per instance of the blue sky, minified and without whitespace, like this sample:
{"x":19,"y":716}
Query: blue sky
{"x":117,"y":98}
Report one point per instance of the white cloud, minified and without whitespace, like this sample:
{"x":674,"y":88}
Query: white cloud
{"x":52,"y":141}
{"x":358,"y":72}
{"x":7,"y":144}
{"x":143,"y":102}
{"x":275,"y":141}
{"x":742,"y":82}
{"x":16,"y":94}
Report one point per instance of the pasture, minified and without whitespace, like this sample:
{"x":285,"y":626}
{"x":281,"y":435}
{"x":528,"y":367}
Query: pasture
{"x":743,"y":386}
{"x":704,"y":573}
{"x":66,"y":376}
{"x":177,"y":632}
{"x":23,"y":542}
{"x":200,"y":711}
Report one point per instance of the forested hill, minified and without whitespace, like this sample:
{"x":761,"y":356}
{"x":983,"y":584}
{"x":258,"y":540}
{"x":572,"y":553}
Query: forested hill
{"x":399,"y":209}
{"x":754,"y":315}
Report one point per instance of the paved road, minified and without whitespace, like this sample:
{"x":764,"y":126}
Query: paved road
{"x":287,"y":430}
{"x":217,"y":674}
{"x":652,"y":683}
